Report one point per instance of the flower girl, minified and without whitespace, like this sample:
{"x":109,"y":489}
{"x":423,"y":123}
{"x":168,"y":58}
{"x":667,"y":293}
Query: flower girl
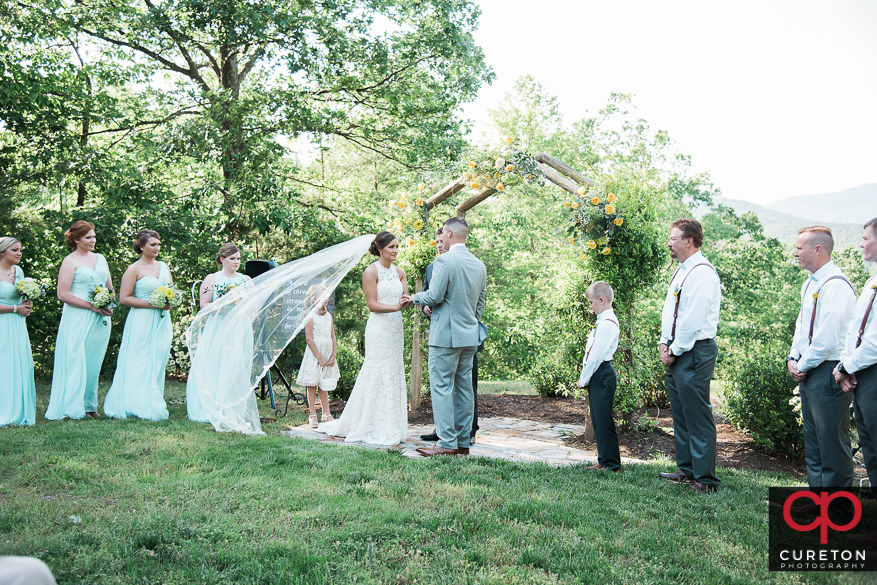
{"x":318,"y":367}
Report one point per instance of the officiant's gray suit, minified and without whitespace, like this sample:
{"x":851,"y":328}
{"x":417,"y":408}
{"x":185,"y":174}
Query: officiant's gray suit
{"x":457,"y":294}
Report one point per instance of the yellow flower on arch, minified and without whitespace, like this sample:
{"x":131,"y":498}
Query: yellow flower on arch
{"x":592,"y":244}
{"x":595,"y":200}
{"x":476,"y":185}
{"x":610,"y":209}
{"x":472,"y":164}
{"x":419,"y":202}
{"x":606,"y":251}
{"x":421,"y":186}
{"x":432,"y":243}
{"x":499,"y":163}
{"x":500,"y":187}
{"x":401,"y":204}
{"x":611,"y":198}
{"x":418,"y":224}
{"x":572,"y":240}
{"x":566,"y":203}
{"x":509,"y":140}
{"x":409,"y":221}
{"x":575,"y":205}
{"x":510,"y":167}
{"x":618,"y":221}
{"x":411,"y":242}
{"x":580,"y":191}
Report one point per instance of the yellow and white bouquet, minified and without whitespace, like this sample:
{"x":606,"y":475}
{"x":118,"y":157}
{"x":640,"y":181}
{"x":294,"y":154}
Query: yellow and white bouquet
{"x":165,"y":295}
{"x":101,"y":297}
{"x":31,"y":289}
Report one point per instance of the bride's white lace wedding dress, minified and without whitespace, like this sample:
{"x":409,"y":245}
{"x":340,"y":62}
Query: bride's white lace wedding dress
{"x":377,"y":411}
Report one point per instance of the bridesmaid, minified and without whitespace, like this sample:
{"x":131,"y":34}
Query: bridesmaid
{"x":84,"y":331}
{"x":213,"y":288}
{"x":17,"y":395}
{"x":138,"y":384}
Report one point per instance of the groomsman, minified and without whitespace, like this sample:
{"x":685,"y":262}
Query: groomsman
{"x":688,"y":349}
{"x":856,"y":372}
{"x":827,"y":303}
{"x":433,"y":436}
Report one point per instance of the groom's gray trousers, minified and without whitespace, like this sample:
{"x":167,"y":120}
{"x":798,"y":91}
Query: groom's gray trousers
{"x":450,"y":382}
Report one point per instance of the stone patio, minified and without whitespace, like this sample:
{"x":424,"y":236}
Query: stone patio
{"x":503,"y":438}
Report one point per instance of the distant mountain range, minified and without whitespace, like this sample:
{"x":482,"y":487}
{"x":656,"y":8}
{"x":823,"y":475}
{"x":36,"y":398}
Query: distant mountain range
{"x":844,"y":212}
{"x":856,"y":205}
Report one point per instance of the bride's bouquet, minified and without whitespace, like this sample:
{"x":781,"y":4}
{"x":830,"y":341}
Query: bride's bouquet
{"x":31,"y":289}
{"x":165,"y":295}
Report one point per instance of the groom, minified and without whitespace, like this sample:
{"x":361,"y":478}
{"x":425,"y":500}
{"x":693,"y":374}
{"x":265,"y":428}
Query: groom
{"x":457,"y":294}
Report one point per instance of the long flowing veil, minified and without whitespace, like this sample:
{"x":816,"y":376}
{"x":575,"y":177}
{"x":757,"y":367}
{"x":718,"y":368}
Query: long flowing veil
{"x":244,"y":332}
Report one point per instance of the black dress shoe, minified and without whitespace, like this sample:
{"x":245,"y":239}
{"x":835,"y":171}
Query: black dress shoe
{"x":430,"y":437}
{"x":677,"y":475}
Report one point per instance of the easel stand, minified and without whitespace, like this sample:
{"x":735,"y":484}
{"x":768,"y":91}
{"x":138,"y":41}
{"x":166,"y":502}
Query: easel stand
{"x":266,"y":388}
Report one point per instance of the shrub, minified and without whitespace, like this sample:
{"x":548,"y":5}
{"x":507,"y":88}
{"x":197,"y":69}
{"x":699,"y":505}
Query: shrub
{"x":758,"y":391}
{"x":552,"y":375}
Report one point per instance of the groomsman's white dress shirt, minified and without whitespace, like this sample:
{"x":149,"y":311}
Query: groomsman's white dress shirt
{"x":853,"y":358}
{"x":699,"y":305}
{"x":601,"y":346}
{"x":834,"y":310}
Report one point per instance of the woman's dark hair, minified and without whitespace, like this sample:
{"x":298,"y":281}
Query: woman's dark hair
{"x":381,"y":241}
{"x":143,"y":237}
{"x":227,"y":249}
{"x":77,"y":231}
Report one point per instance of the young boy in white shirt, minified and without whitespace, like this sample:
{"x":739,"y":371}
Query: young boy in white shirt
{"x":598,"y":376}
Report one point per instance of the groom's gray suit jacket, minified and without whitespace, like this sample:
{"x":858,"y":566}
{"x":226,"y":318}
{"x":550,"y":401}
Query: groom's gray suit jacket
{"x":457,"y":294}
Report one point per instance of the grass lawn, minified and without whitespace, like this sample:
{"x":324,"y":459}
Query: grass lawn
{"x":106,"y":501}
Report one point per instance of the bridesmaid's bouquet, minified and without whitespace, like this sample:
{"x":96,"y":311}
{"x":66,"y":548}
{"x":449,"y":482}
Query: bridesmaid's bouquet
{"x":101,"y":297}
{"x":31,"y":289}
{"x":165,"y":295}
{"x":220,"y":290}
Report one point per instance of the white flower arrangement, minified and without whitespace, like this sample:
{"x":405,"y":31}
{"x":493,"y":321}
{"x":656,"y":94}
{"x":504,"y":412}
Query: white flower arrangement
{"x":30,"y":289}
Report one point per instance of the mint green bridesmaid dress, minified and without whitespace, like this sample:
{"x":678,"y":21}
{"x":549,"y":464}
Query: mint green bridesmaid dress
{"x":79,"y":349}
{"x":17,"y":393}
{"x":194,"y":407}
{"x":138,"y":384}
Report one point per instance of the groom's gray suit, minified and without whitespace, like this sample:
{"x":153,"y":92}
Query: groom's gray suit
{"x":457,"y":294}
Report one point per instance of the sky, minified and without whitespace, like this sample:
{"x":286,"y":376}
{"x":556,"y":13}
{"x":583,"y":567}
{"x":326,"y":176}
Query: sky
{"x":774,"y":98}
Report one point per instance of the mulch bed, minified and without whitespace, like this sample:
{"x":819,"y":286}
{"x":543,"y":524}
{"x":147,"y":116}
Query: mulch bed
{"x":734,"y":449}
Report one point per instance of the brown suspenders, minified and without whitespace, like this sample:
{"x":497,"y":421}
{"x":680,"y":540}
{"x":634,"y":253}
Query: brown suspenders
{"x":867,"y":312}
{"x":595,"y":338}
{"x":816,"y":301}
{"x":678,"y":295}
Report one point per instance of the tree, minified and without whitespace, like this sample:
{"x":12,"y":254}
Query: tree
{"x":221,"y":81}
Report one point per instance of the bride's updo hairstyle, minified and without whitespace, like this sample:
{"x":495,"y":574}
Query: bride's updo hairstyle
{"x":141,"y":239}
{"x":77,"y":231}
{"x":227,"y":249}
{"x":381,"y":241}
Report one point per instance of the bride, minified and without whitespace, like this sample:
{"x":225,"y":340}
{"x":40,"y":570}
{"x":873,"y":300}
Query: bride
{"x":377,"y":411}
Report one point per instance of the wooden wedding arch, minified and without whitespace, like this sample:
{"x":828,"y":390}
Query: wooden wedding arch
{"x":554,"y":170}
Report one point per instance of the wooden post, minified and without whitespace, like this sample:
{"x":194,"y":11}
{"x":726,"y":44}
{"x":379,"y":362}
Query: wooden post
{"x":573,"y":174}
{"x":555,"y":178}
{"x":416,"y":358}
{"x":473,"y":201}
{"x":446,"y":192}
{"x":589,"y":427}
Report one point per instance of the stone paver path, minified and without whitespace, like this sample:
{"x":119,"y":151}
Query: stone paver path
{"x":503,"y":438}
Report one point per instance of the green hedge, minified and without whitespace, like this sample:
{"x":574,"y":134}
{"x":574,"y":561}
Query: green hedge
{"x":758,"y":392}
